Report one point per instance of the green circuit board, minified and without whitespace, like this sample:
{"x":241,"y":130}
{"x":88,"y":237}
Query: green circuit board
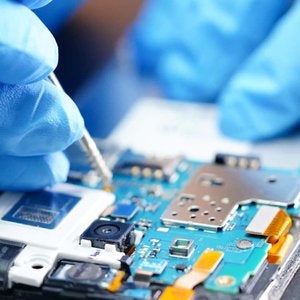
{"x":169,"y":229}
{"x":148,"y":199}
{"x":237,"y":263}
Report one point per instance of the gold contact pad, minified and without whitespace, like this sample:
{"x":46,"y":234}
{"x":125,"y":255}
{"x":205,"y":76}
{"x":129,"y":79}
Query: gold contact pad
{"x":176,"y":293}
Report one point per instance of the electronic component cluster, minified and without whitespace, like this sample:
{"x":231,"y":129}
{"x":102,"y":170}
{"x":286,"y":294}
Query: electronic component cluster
{"x":171,"y":229}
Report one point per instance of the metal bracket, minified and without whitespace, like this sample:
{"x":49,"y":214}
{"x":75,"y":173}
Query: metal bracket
{"x":214,"y":193}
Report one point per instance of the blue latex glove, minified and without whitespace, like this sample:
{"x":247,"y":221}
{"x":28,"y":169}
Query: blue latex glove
{"x":243,"y":54}
{"x":37,"y":121}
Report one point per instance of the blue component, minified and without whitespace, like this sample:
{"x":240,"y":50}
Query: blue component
{"x":42,"y":209}
{"x":142,"y":293}
{"x":153,"y":265}
{"x":125,"y":211}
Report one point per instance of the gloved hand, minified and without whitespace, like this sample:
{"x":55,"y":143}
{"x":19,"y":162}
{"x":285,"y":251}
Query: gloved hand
{"x":243,"y":54}
{"x":37,"y":120}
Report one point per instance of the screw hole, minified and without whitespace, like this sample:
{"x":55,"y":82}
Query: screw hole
{"x":193,"y":216}
{"x":186,"y":198}
{"x":205,"y":213}
{"x":272,"y":179}
{"x":174,"y":213}
{"x":194,"y":208}
{"x":37,"y":267}
{"x":211,"y":219}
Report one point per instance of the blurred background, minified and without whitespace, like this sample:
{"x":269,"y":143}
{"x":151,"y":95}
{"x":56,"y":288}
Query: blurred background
{"x":95,"y":64}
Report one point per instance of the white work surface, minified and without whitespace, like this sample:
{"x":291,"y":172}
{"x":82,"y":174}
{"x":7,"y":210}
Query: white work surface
{"x":160,"y":127}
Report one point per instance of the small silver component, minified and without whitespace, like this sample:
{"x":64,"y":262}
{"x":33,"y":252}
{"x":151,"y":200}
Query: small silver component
{"x":181,"y":247}
{"x":225,"y":281}
{"x":244,"y":244}
{"x":262,"y":220}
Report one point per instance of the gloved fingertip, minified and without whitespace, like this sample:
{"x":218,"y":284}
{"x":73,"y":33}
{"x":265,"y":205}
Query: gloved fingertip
{"x":57,"y":166}
{"x":33,"y":4}
{"x":180,"y":79}
{"x":70,"y":121}
{"x":28,"y":50}
{"x":31,"y":173}
{"x":41,"y":119}
{"x":145,"y":41}
{"x":239,"y":118}
{"x":232,"y":124}
{"x":39,"y":58}
{"x":252,"y":112}
{"x":261,"y":101}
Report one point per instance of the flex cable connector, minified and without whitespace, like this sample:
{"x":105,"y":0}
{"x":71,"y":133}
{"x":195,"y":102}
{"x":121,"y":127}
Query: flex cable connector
{"x":204,"y":266}
{"x":279,"y":250}
{"x":270,"y":221}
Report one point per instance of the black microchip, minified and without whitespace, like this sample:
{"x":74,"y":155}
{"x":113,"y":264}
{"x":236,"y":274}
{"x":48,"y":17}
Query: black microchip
{"x":153,"y":253}
{"x":181,"y":267}
{"x":116,"y":233}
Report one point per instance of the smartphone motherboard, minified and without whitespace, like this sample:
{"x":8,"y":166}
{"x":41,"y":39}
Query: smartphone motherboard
{"x":170,"y":228}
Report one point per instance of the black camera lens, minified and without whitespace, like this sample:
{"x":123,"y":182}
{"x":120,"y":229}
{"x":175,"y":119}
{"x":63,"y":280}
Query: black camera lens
{"x":108,"y":229}
{"x":103,"y":232}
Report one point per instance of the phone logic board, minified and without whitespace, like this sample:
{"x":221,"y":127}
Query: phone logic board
{"x":174,"y":229}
